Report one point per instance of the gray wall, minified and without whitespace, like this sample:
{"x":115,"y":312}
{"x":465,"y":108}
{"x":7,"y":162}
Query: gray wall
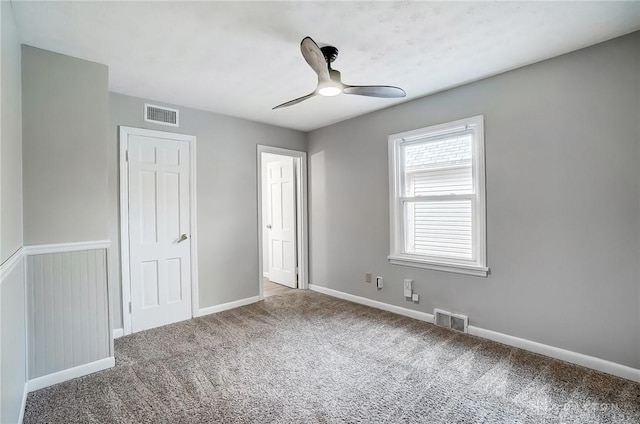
{"x":227,"y":196}
{"x":12,"y":302}
{"x":11,"y":139}
{"x":68,"y":319}
{"x":563,"y":206}
{"x":65,"y":114}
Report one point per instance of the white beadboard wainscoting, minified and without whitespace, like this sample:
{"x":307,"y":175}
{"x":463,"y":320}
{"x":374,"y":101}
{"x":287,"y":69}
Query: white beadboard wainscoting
{"x":67,"y":314}
{"x":67,"y":307}
{"x":13,"y":358}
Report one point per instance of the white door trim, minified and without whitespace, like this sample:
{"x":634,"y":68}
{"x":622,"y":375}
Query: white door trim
{"x":124,"y":217}
{"x":301,"y":214}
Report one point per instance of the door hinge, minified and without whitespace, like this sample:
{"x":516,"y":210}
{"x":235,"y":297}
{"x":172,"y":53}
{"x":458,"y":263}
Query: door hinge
{"x":129,"y":307}
{"x":297,"y":270}
{"x":126,"y":155}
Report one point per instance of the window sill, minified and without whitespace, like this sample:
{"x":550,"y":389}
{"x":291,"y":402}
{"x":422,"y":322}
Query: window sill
{"x":478,"y":271}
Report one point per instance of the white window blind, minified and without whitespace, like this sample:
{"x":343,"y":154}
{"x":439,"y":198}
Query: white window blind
{"x":437,"y":197}
{"x":438,"y":219}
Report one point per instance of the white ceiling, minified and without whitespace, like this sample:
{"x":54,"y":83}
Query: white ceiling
{"x":243,"y":58}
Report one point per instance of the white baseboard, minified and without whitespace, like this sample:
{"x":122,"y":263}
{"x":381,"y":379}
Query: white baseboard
{"x":592,"y":362}
{"x":422,"y":316}
{"x":69,"y":374}
{"x":25,"y":392}
{"x":118,"y":332}
{"x":265,"y":274}
{"x":226,"y":306}
{"x":555,"y":352}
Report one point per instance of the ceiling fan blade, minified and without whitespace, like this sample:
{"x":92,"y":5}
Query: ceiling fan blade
{"x":385,"y":91}
{"x":295,"y":101}
{"x":314,"y":57}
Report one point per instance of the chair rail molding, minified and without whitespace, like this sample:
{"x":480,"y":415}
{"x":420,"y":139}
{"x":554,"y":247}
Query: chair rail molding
{"x":7,"y":266}
{"x":42,"y":249}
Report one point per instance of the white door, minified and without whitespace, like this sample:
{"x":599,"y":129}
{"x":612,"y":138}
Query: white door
{"x":281,"y":223}
{"x":159,"y":231}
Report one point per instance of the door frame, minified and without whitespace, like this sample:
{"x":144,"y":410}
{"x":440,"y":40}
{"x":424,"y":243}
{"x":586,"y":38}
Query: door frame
{"x":302,"y":225}
{"x":125,"y":280}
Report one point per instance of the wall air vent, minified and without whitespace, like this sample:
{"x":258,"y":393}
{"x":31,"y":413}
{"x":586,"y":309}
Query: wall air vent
{"x":453,"y":321}
{"x":161,"y":115}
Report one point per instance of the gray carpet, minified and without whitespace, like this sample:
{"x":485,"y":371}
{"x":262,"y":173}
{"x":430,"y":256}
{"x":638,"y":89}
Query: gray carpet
{"x":303,"y":357}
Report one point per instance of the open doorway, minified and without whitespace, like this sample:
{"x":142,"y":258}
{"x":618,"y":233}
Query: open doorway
{"x":282,"y":220}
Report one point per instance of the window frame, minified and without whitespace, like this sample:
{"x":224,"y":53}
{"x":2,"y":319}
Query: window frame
{"x":478,"y":264}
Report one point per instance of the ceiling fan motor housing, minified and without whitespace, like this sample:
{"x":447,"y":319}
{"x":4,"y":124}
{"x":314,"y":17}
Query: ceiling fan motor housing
{"x":330,"y":53}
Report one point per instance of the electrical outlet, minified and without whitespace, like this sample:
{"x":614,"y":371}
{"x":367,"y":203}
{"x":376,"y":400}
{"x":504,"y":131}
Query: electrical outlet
{"x":408,"y":290}
{"x":379,"y":282}
{"x":415,"y":297}
{"x":367,"y":277}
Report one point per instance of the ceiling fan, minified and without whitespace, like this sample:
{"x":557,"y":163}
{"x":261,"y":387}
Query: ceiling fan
{"x":329,"y":83}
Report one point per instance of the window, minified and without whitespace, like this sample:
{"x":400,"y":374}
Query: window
{"x":437,"y":195}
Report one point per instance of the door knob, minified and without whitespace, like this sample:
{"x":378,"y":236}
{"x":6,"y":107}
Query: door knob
{"x":269,"y":226}
{"x":182,"y":238}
